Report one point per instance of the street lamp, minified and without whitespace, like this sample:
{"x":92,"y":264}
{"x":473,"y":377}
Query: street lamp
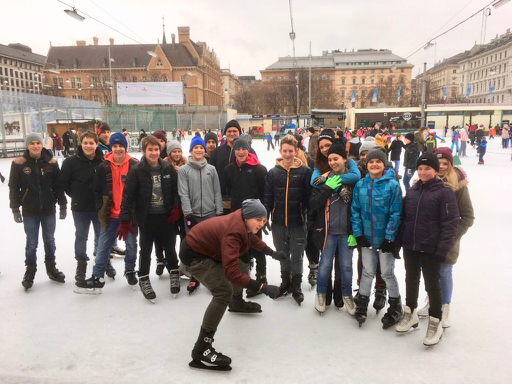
{"x":499,"y":3}
{"x":74,"y":14}
{"x":430,"y":45}
{"x":110,"y":61}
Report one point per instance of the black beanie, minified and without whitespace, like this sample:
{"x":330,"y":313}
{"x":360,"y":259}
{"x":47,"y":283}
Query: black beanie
{"x":337,"y":148}
{"x":232,"y":123}
{"x":326,"y":134}
{"x":430,"y":159}
{"x":211,"y":136}
{"x":410,"y":136}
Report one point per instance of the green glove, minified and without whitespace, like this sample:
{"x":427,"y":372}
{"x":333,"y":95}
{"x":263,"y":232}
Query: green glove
{"x":351,"y":241}
{"x":333,"y":182}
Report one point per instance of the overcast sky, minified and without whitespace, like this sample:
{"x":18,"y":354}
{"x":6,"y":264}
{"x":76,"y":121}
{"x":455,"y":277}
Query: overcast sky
{"x":250,"y":35}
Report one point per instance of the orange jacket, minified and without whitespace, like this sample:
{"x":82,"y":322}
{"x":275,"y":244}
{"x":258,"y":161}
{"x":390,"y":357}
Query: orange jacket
{"x":119,"y":173}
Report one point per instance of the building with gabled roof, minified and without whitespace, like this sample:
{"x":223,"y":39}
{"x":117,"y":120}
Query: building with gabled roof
{"x":91,"y":72}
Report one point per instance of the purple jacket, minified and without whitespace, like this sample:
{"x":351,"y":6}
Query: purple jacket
{"x":430,"y":218}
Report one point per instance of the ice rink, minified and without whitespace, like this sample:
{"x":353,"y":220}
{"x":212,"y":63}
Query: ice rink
{"x":52,"y":335}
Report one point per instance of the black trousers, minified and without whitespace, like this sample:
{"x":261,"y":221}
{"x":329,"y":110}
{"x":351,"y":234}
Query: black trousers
{"x":157,"y":229}
{"x":417,"y":263}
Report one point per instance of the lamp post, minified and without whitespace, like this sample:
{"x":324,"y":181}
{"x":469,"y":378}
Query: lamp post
{"x":110,"y":60}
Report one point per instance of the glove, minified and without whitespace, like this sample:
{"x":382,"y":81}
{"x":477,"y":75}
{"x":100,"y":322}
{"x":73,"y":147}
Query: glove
{"x":62,"y":213}
{"x":190,"y":221}
{"x":266,"y":228}
{"x":123,"y":229}
{"x":17,"y":217}
{"x":387,"y":246}
{"x":333,"y":182}
{"x":351,"y":241}
{"x":345,"y":195}
{"x":409,"y":172}
{"x":175,"y":215}
{"x":319,"y":180}
{"x":280,"y":256}
{"x":440,"y":258}
{"x":270,"y":290}
{"x":362,"y":242}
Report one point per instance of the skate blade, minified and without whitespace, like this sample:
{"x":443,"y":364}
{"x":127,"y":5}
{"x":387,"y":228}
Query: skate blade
{"x":433,"y":345}
{"x":412,"y":329}
{"x":57,"y":281}
{"x":200,"y":365}
{"x":87,"y":291}
{"x":244,"y":313}
{"x":152,"y":301}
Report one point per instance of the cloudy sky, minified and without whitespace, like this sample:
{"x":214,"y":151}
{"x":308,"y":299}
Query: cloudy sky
{"x":250,"y":35}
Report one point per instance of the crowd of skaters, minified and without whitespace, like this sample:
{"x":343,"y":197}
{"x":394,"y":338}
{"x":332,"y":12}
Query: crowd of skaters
{"x":329,"y":193}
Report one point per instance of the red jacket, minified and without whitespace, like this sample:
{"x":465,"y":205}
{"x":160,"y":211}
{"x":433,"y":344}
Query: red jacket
{"x":224,"y":239}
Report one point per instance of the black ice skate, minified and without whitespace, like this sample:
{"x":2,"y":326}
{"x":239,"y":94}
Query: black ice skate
{"x":297,"y":294}
{"x":361,"y":309}
{"x":193,"y":285}
{"x":313,"y":273}
{"x":147,"y":289}
{"x":91,"y":286}
{"x":394,"y":314}
{"x":81,"y":270}
{"x":131,"y":278}
{"x":260,"y":278}
{"x":28,"y":277}
{"x":175,"y":281}
{"x":285,"y":284}
{"x":160,"y":266}
{"x":117,"y":252}
{"x":53,"y":273}
{"x":380,"y":299}
{"x":204,"y":356}
{"x":110,"y":271}
{"x":239,"y":305}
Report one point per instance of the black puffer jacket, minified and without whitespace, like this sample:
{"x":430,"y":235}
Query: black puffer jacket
{"x":77,"y":176}
{"x":34,"y":185}
{"x":245,"y":182}
{"x":286,"y":195}
{"x":411,"y":155}
{"x":430,"y":217}
{"x":139,"y":187}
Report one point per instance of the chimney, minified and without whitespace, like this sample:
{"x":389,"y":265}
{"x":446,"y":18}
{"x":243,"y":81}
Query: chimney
{"x":184,"y":34}
{"x":95,"y":40}
{"x":173,"y":38}
{"x":80,"y":43}
{"x":111,"y":41}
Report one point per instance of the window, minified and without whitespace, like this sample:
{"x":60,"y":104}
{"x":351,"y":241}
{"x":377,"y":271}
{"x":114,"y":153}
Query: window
{"x":354,"y":71}
{"x":363,"y":71}
{"x":144,"y":78}
{"x":401,"y":70}
{"x":96,"y":98}
{"x":124,"y":79}
{"x":363,"y":81}
{"x":454,"y":71}
{"x":373,"y":70}
{"x":95,"y":81}
{"x":134,"y":79}
{"x":106,"y":100}
{"x":381,"y":70}
{"x":343,"y":81}
{"x":165,"y":79}
{"x":155,"y":79}
{"x":159,"y":63}
{"x":353,"y":81}
{"x":372,"y":80}
{"x":343,"y":93}
{"x":342,"y":71}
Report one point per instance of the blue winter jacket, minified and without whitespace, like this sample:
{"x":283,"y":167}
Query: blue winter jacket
{"x":376,"y":208}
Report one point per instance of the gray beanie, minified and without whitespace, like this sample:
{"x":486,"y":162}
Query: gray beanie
{"x":172,"y":145}
{"x":376,"y":153}
{"x":367,"y":144}
{"x":252,"y":208}
{"x":34,"y":136}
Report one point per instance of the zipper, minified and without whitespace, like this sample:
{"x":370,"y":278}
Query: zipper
{"x":416,"y":219}
{"x":286,"y":198}
{"x":201,"y":186}
{"x":371,"y":209}
{"x":40,"y":192}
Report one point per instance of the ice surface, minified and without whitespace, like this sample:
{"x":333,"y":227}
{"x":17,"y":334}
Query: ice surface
{"x":52,"y":335}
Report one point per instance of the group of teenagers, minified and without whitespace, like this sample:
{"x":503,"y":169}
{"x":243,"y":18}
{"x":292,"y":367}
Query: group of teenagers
{"x":220,"y":200}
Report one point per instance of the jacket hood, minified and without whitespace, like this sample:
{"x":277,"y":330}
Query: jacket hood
{"x":251,"y":160}
{"x":110,"y":158}
{"x":354,"y":140}
{"x":197,"y":164}
{"x":46,"y":155}
{"x":434,"y":184}
{"x":296,"y":163}
{"x":388,"y":174}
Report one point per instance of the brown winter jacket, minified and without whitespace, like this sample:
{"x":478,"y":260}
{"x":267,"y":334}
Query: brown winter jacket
{"x":224,"y":239}
{"x":466,"y":213}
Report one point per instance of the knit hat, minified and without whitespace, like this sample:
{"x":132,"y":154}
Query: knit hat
{"x":197,"y":140}
{"x":337,"y":148}
{"x":428,"y":158}
{"x":376,"y":153}
{"x":326,"y":134}
{"x":160,"y":134}
{"x":410,"y":136}
{"x":211,"y":136}
{"x":232,"y":123}
{"x":34,"y":136}
{"x":312,"y":130}
{"x":102,"y":127}
{"x":252,"y":208}
{"x":172,"y":145}
{"x":444,"y":153}
{"x":240,"y":142}
{"x":367,"y":144}
{"x":118,"y":138}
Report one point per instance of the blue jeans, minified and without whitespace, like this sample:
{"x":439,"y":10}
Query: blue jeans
{"x":446,"y":283}
{"x":397,"y":165}
{"x":406,"y":178}
{"x":387,"y":266}
{"x":83,"y":222}
{"x":105,"y":243}
{"x":456,"y":143}
{"x":31,"y":225}
{"x":481,"y":154}
{"x":326,"y":263}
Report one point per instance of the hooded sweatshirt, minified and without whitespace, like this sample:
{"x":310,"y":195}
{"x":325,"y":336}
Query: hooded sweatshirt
{"x":119,"y":173}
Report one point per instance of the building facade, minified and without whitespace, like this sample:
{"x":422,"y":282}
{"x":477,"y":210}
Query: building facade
{"x":361,"y":71}
{"x":230,"y":87}
{"x":91,"y":72}
{"x":20,"y":69}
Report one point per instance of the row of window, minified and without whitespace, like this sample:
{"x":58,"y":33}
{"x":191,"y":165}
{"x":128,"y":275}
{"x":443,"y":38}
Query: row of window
{"x":13,"y":73}
{"x":98,"y":82}
{"x":484,"y":86}
{"x":363,"y":71}
{"x":20,"y":64}
{"x":487,"y":72}
{"x":483,"y":61}
{"x":495,"y":99}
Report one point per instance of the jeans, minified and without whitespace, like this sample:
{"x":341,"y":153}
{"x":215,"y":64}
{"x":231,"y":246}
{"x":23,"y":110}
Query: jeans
{"x":31,"y":225}
{"x":372,"y":258}
{"x":407,"y":178}
{"x":481,"y":154}
{"x":292,"y":241}
{"x":105,"y":243}
{"x":397,"y":165}
{"x":379,"y":283}
{"x":446,"y":283}
{"x":326,"y":262}
{"x":456,"y":143}
{"x":417,"y":263}
{"x":83,"y":222}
